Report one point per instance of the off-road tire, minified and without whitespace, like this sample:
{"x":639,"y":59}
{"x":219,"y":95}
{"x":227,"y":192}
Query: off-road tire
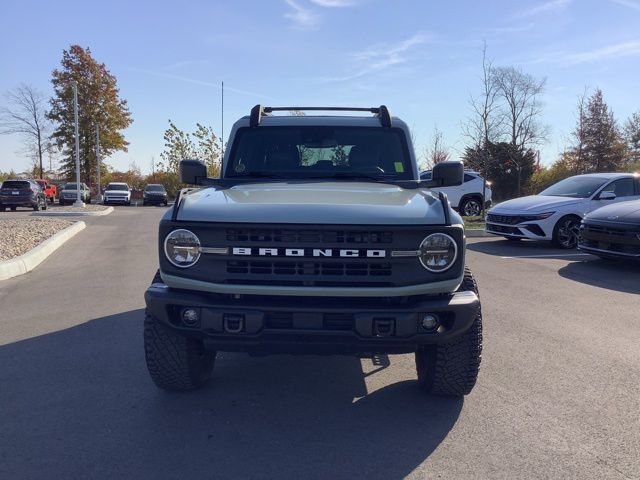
{"x":452,"y":368}
{"x":175,"y":362}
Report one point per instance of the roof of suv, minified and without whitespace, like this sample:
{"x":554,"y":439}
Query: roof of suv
{"x":320,"y":120}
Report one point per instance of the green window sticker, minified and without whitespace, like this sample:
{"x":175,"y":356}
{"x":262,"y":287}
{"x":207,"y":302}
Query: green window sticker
{"x":399,"y":167}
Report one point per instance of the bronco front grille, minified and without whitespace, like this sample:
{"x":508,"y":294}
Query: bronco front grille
{"x":307,"y":236}
{"x":350,"y":269}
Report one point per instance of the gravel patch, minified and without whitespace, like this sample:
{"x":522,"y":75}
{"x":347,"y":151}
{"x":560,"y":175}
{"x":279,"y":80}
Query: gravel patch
{"x":19,"y":235}
{"x":87,"y":208}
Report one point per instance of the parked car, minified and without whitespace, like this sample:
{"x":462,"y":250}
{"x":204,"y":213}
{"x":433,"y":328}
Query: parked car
{"x":155,"y":193}
{"x":68,"y":195}
{"x":612,"y":232}
{"x":358,"y":258}
{"x":468,"y":197}
{"x":22,"y":193}
{"x":50,"y":190}
{"x":555,"y":213}
{"x":117,"y":192}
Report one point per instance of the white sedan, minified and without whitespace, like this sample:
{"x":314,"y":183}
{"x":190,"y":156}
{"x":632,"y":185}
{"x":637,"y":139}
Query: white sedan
{"x":555,"y":213}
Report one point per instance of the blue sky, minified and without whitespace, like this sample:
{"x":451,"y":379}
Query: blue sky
{"x":421,"y":58}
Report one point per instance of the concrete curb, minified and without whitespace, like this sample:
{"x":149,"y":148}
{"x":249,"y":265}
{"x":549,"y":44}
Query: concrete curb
{"x":53,"y":213}
{"x":477,"y":233}
{"x":34,"y":257}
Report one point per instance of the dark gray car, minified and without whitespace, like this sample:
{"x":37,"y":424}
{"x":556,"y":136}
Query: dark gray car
{"x":22,"y":193}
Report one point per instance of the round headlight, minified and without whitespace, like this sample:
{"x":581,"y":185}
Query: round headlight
{"x":182,"y":248}
{"x":438,"y":252}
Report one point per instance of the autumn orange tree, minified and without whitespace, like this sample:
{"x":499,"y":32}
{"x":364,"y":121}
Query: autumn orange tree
{"x":99,"y":104}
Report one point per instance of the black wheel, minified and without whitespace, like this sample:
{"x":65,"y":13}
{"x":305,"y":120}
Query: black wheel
{"x":513,"y":239}
{"x":36,"y":207}
{"x":471,"y":207}
{"x":44,"y":204}
{"x":2,"y":208}
{"x":144,"y":203}
{"x":452,"y":368}
{"x":166,"y":202}
{"x":13,"y":209}
{"x":89,"y":200}
{"x":566,"y":232}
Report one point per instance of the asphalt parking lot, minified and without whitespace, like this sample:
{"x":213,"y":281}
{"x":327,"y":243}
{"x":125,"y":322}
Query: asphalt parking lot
{"x":558,"y":394}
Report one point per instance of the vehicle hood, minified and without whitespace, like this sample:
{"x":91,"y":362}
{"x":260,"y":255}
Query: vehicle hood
{"x":625,"y":212}
{"x":534,"y":204}
{"x":312,"y":203}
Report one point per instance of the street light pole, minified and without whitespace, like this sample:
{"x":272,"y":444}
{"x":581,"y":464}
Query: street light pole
{"x":99,"y":197}
{"x":79,"y":202}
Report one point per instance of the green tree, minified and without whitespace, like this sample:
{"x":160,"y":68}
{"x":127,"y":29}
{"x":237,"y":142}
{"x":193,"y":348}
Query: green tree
{"x":632,"y":137}
{"x":603,"y":148}
{"x":180,"y":145}
{"x":99,"y":104}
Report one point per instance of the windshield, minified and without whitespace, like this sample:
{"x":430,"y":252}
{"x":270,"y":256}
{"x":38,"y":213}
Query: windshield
{"x":154,"y":188}
{"x":121,"y":186}
{"x":71,"y":186}
{"x":15,"y":184}
{"x":577,"y":187}
{"x":320,"y":152}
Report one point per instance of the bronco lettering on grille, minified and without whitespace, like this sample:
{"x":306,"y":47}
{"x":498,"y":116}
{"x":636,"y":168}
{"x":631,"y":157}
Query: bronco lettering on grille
{"x":309,"y":252}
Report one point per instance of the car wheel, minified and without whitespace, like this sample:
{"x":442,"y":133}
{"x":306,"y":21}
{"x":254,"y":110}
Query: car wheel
{"x":44,"y":204}
{"x":452,"y":368}
{"x":471,"y":207}
{"x":566,"y":232}
{"x":13,"y":209}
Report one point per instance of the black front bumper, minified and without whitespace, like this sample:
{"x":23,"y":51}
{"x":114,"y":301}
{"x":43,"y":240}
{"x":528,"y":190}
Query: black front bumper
{"x":313,"y":325}
{"x":155,"y":199}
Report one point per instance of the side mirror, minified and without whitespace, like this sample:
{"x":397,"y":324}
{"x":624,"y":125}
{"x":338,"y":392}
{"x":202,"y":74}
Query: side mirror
{"x":446,"y":174}
{"x":192,"y":171}
{"x":607,"y":196}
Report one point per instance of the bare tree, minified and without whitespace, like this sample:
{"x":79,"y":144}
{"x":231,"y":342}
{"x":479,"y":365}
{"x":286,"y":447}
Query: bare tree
{"x":485,"y":123}
{"x":521,"y":110}
{"x":437,"y":152}
{"x":25,"y":115}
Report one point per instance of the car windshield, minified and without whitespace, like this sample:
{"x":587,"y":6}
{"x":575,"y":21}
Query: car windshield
{"x":71,"y":186}
{"x":335,"y":152}
{"x":117,"y":187}
{"x":154,"y":188}
{"x":577,"y":187}
{"x":15,"y":184}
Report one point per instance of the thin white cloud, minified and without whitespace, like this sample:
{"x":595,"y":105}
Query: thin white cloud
{"x":301,"y":17}
{"x":628,"y":3}
{"x":334,"y":3}
{"x":609,"y":52}
{"x":202,"y":82}
{"x":546,"y":7}
{"x":380,"y":57}
{"x":186,"y":63}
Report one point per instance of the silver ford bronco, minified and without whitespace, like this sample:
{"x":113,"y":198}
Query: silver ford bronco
{"x":318,"y":238}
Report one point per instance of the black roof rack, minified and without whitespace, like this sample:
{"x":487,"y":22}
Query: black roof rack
{"x":382,"y":112}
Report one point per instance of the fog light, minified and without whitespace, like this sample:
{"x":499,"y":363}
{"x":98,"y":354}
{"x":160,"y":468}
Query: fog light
{"x":190,"y":317}
{"x":430,"y":321}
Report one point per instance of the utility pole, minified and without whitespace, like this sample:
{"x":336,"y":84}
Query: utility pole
{"x":222,"y":126}
{"x":99,"y":197}
{"x":79,"y":202}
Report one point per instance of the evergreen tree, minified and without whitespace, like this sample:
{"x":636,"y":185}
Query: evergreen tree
{"x":603,"y":149}
{"x":98,"y":104}
{"x":632,"y":137}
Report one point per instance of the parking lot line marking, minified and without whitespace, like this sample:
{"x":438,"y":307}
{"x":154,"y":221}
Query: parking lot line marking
{"x":551,"y":255}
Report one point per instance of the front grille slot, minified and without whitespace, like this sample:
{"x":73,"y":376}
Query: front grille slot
{"x":509,"y":219}
{"x":320,"y":237}
{"x":341,"y":269}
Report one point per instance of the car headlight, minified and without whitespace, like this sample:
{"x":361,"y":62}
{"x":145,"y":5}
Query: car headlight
{"x":438,"y":252}
{"x":182,"y":248}
{"x":542,"y":216}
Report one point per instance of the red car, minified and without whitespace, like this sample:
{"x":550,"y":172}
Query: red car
{"x":50,"y":190}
